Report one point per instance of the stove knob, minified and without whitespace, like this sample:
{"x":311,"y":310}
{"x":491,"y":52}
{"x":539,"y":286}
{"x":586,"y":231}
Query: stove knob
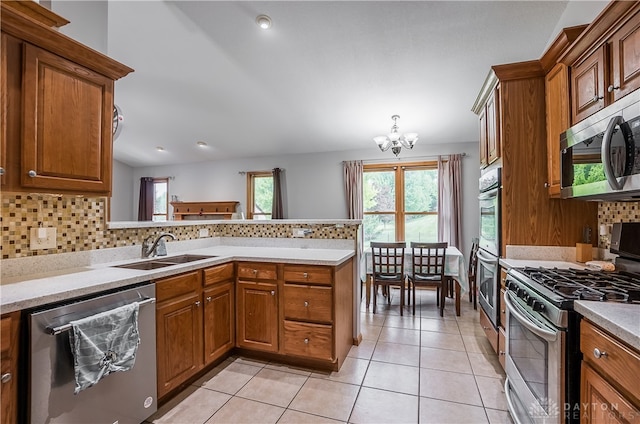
{"x":531,"y":301}
{"x":521,"y":293}
{"x":537,"y":306}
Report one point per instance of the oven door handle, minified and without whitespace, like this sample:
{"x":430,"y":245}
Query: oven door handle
{"x":486,"y":258}
{"x":510,"y":403}
{"x":528,"y":321}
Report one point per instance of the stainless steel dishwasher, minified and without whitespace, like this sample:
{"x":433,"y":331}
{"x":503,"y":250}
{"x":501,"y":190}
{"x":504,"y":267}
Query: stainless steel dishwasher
{"x":120,"y":397}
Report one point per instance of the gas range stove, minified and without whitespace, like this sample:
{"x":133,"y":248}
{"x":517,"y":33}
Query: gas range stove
{"x":578,"y":284}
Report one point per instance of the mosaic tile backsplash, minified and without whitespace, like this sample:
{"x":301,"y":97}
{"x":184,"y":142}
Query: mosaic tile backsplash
{"x":81,"y":225}
{"x":612,"y":212}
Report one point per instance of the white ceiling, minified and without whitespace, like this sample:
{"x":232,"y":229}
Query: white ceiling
{"x":326,"y":77}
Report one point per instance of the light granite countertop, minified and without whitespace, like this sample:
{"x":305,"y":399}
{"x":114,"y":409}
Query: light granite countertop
{"x":620,"y":319}
{"x":28,"y":291}
{"x":521,"y":263}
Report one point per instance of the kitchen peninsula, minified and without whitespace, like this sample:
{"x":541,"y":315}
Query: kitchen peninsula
{"x":254,"y":288}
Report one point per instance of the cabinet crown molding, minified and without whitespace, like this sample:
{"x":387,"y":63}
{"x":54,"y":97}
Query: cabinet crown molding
{"x":490,"y":83}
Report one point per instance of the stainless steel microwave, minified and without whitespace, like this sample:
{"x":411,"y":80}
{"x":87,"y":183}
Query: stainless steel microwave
{"x":600,"y":156}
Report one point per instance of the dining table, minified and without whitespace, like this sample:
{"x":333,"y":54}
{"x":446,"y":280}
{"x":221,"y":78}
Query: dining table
{"x":454,"y":268}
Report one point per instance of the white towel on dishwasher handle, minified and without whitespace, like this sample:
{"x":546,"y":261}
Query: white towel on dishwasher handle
{"x":104,"y":343}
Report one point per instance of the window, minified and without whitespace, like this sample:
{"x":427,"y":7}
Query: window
{"x":259,"y":194}
{"x":160,"y":199}
{"x":400,"y":202}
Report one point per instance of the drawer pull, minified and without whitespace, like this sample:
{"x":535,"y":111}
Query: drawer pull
{"x":599,"y":353}
{"x":502,"y":353}
{"x":6,"y":377}
{"x":305,"y":275}
{"x":255,"y":272}
{"x":306,"y":341}
{"x":32,"y":173}
{"x":306,"y":304}
{"x":208,"y":298}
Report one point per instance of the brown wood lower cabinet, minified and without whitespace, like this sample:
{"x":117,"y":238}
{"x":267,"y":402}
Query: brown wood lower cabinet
{"x":9,"y":350}
{"x":609,"y":391}
{"x":258,"y":315}
{"x":219,"y":326}
{"x":179,"y":330}
{"x":309,"y":340}
{"x":489,"y":330}
{"x":194,"y":323}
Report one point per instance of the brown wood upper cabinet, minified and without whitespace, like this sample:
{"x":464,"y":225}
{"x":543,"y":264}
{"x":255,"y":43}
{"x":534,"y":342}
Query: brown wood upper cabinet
{"x":529,"y":216}
{"x":607,"y":70}
{"x":57,"y":109}
{"x":488,"y":118}
{"x":557,"y":113}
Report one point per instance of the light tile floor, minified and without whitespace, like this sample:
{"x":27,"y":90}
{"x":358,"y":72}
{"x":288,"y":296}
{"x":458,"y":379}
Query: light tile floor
{"x":422,"y":369}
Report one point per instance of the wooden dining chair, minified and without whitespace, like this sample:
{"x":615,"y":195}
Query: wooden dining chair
{"x":427,"y":269}
{"x":388,"y":269}
{"x":473,"y":269}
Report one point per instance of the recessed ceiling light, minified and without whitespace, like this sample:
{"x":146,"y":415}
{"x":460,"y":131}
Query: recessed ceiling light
{"x":201,"y":144}
{"x":160,"y":149}
{"x":263,"y":21}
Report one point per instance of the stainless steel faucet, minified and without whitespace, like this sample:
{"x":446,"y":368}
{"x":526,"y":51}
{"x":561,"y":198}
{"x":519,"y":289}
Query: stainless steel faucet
{"x":157,"y":247}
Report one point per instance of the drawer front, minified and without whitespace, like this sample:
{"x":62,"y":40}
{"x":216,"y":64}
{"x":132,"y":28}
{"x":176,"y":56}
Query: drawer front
{"x":309,"y":340}
{"x":489,"y":331}
{"x":171,"y":287}
{"x":262,"y":271}
{"x":502,"y":347}
{"x":503,"y":310}
{"x":307,"y":274}
{"x":218,"y":273}
{"x":619,"y":362}
{"x":308,"y":303}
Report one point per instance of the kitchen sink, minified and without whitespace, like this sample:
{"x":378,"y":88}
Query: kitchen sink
{"x":145,"y":265}
{"x":182,"y":259}
{"x":164,"y":262}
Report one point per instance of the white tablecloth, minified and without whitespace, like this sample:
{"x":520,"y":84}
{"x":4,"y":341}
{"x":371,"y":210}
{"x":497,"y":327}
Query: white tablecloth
{"x":455,"y":265}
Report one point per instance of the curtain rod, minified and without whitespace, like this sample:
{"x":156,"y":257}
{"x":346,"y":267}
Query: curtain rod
{"x":411,"y":159}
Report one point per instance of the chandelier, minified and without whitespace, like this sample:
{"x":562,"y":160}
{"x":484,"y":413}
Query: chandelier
{"x":395,"y":140}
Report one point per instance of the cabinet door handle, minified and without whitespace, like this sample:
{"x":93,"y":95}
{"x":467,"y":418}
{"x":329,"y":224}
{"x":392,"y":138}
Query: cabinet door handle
{"x":255,"y":272}
{"x":208,"y":298}
{"x":32,"y":173}
{"x":599,"y":353}
{"x":502,"y":353}
{"x":273,"y":292}
{"x":611,"y":88}
{"x":597,"y":98}
{"x":1,"y":171}
{"x":198,"y":304}
{"x":306,"y":341}
{"x":306,"y":304}
{"x":546,"y":185}
{"x":6,"y":377}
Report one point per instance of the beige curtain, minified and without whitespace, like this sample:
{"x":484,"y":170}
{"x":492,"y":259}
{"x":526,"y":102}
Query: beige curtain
{"x":353,"y":171}
{"x":277,"y":209}
{"x":449,"y":200}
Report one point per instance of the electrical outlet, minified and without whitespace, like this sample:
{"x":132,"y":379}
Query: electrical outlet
{"x":300,"y":232}
{"x":203,"y":232}
{"x":42,"y":238}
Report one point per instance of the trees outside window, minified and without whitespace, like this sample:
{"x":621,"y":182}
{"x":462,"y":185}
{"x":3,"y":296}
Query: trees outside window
{"x":400,"y":202}
{"x":259,"y":194}
{"x":160,"y":199}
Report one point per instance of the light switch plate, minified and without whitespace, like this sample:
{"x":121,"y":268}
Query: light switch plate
{"x":46,"y":242}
